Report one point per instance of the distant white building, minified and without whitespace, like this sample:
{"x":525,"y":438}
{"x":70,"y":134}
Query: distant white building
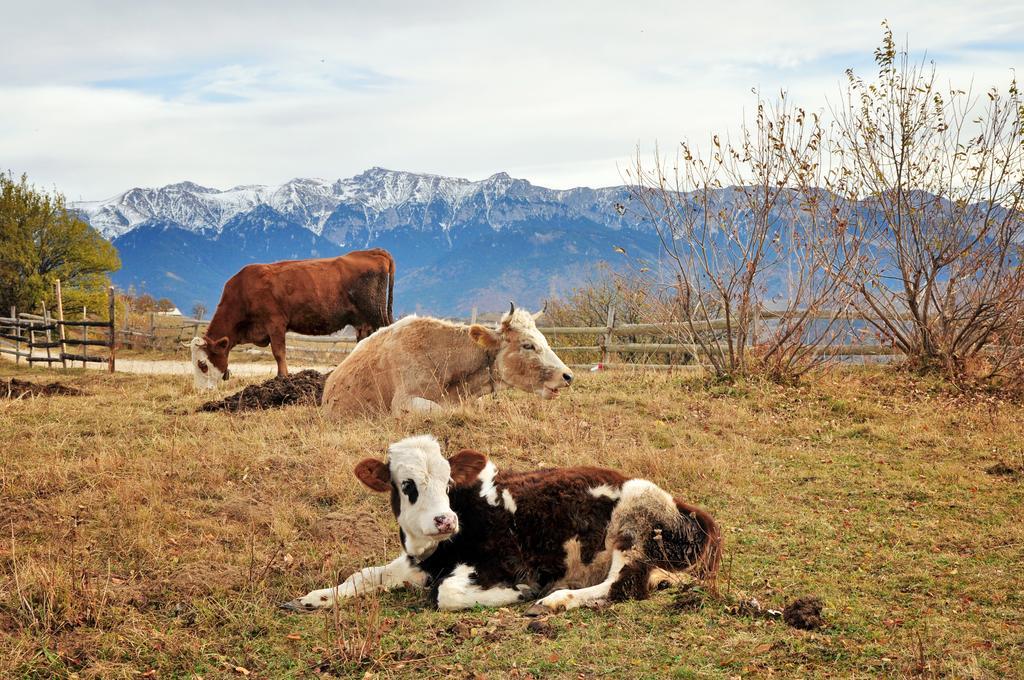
{"x":173,"y":312}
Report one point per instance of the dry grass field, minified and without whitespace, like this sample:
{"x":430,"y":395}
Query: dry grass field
{"x":140,"y":539}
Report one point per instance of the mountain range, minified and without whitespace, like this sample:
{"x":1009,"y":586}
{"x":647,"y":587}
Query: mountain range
{"x":457,"y":243}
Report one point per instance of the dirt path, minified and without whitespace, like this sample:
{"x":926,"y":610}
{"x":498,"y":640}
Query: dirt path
{"x":171,"y":367}
{"x":182,"y":367}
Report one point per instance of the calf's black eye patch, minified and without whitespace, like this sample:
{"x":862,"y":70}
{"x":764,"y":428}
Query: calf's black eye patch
{"x":410,"y":490}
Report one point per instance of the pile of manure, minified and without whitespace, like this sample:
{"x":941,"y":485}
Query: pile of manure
{"x":804,"y":613}
{"x":16,"y":389}
{"x":1001,"y":469}
{"x":305,"y":387}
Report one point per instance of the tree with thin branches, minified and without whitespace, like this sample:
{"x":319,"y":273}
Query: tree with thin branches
{"x":938,"y":234}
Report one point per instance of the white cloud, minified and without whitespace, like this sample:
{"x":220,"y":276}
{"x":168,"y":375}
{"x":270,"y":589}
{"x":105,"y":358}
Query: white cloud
{"x":98,"y":97}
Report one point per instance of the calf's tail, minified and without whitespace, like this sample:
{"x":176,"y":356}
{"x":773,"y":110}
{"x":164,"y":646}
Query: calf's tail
{"x":710,"y":558}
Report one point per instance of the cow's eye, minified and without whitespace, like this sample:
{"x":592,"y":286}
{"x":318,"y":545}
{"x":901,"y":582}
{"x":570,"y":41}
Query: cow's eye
{"x":410,"y":490}
{"x":202,"y":366}
{"x":528,"y":346}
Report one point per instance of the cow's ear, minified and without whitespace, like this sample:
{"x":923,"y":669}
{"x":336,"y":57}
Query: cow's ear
{"x":374,"y":474}
{"x":466,"y":466}
{"x":221,"y":344}
{"x":484,"y":337}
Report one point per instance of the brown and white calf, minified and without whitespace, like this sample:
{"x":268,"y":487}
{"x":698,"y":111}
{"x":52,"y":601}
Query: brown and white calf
{"x":422,"y":364}
{"x":569,"y":536}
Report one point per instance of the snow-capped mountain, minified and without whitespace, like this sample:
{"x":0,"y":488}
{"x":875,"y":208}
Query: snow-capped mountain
{"x":198,"y":208}
{"x":374,"y":201}
{"x":457,"y":243}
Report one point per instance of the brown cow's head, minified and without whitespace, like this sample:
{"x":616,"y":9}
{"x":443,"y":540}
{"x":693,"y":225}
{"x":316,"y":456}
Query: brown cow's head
{"x":209,"y":362}
{"x":524,"y":359}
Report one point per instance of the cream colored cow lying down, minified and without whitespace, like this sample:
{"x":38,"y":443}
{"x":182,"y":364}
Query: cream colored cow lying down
{"x":423,"y":364}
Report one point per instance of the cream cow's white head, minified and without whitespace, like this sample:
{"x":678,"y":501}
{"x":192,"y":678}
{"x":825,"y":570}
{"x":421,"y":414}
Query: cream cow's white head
{"x":523,"y":358}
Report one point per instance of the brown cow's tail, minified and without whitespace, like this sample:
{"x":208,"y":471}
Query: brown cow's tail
{"x":391,"y":290}
{"x":706,"y":566}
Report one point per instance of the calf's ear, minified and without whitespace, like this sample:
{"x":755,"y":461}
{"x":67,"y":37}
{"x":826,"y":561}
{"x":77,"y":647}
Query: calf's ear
{"x":221,"y":344}
{"x":374,"y":474}
{"x":484,"y":337}
{"x":466,"y":466}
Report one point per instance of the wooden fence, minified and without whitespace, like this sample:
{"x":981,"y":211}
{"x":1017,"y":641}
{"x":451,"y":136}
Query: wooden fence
{"x":162,"y":333}
{"x":41,"y":338}
{"x":609,"y":349}
{"x":612,"y":345}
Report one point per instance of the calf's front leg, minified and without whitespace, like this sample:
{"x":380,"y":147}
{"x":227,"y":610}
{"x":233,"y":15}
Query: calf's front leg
{"x":395,"y":574}
{"x":459,"y":590}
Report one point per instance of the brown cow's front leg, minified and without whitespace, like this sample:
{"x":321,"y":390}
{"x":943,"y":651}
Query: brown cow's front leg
{"x":277,"y":347}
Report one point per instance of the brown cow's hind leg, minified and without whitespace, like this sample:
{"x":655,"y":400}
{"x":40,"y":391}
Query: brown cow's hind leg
{"x":277,"y":347}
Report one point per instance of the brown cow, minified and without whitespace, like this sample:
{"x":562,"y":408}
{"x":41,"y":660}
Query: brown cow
{"x":262,"y":302}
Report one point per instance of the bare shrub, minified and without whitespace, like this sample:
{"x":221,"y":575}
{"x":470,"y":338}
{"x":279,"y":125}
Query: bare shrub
{"x":938,"y":236}
{"x":743,"y":226}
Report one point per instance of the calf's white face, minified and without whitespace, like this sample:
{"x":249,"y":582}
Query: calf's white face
{"x":418,"y":478}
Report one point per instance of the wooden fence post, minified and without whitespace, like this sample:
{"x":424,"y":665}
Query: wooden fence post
{"x":85,"y":336}
{"x":17,"y":334}
{"x":111,"y":336}
{"x":49,"y":338}
{"x":125,"y":322}
{"x":608,"y":338}
{"x":472,"y":316}
{"x":60,"y":319}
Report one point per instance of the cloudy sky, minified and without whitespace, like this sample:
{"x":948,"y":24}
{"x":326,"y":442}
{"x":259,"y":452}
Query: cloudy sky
{"x":97,"y":97}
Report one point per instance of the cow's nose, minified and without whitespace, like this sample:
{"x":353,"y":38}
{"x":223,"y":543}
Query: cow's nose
{"x":445,"y":523}
{"x":227,"y":374}
{"x":567,"y":377}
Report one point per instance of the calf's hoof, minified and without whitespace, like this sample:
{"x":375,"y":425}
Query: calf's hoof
{"x":297,"y":606}
{"x":538,"y":609}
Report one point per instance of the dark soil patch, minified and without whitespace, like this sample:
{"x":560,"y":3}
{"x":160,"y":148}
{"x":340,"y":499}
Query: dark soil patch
{"x":542,"y":627}
{"x":1001,"y":469}
{"x":804,"y":613}
{"x":688,"y":598}
{"x":305,"y":387}
{"x":16,"y":389}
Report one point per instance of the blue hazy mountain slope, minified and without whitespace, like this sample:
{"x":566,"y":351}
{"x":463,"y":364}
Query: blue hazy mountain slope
{"x":457,"y":243}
